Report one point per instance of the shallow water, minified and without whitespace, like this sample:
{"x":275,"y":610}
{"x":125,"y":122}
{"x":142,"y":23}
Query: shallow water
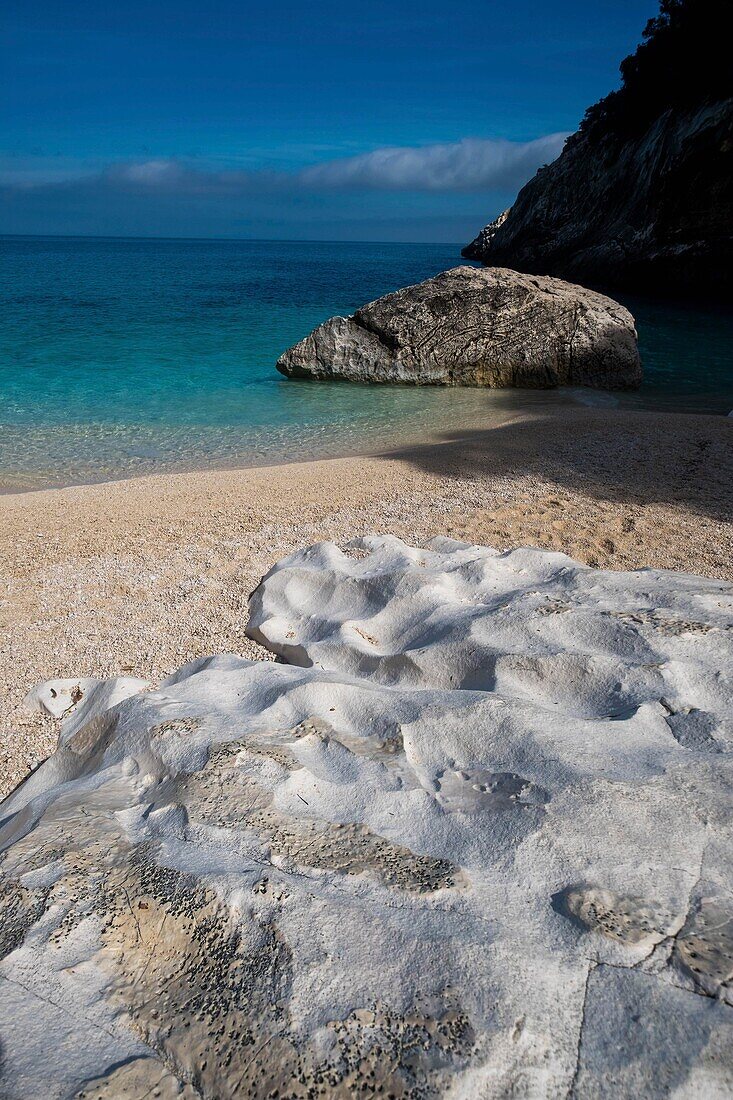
{"x":120,"y":357}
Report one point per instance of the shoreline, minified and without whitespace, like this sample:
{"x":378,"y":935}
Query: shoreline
{"x":489,"y":420}
{"x":139,"y":575}
{"x":531,"y":404}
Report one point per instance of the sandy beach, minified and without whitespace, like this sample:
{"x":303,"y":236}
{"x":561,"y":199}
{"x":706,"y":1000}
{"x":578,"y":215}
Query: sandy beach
{"x":139,"y":576}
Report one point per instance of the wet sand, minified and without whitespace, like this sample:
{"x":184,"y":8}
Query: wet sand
{"x":139,"y":576}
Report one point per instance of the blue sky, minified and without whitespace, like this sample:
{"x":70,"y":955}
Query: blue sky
{"x":381,"y":121}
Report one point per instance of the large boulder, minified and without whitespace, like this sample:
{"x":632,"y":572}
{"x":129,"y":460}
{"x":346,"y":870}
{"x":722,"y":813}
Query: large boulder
{"x":474,"y":327}
{"x":474,"y":842}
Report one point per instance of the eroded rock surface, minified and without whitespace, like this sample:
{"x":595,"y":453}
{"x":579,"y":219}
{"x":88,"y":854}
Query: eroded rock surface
{"x":473,"y":327}
{"x":454,"y":850}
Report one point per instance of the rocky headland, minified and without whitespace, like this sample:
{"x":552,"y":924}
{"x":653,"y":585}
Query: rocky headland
{"x":477,"y":327}
{"x":641,"y":198}
{"x":472,"y":840}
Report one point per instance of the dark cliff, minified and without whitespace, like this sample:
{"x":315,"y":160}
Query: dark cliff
{"x":642,"y":196}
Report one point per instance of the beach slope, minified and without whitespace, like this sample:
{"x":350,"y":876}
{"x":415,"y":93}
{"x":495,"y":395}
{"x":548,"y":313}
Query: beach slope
{"x":133,"y":578}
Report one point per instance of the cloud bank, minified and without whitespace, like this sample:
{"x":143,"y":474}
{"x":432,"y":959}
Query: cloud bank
{"x":470,"y":165}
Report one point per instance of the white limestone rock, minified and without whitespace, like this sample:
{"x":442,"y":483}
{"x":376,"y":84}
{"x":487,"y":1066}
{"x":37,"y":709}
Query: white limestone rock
{"x":528,"y":625}
{"x":77,"y":700}
{"x":362,"y":878}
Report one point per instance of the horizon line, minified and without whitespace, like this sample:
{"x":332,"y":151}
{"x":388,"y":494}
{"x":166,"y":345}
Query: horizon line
{"x":232,"y":240}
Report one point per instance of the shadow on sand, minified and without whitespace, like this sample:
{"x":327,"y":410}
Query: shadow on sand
{"x":609,"y":454}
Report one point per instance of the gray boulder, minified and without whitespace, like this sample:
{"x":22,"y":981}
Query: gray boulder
{"x":471,"y":327}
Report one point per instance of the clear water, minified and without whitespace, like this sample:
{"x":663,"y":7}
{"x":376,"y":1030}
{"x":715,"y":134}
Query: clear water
{"x":120,"y":357}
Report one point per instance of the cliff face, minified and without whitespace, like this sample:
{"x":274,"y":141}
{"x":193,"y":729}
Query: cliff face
{"x":649,"y":212}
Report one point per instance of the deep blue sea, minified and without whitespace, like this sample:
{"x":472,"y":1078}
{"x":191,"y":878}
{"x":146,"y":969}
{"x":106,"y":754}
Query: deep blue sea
{"x":120,"y":357}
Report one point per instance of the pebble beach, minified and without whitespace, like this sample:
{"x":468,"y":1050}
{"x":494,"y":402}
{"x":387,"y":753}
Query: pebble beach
{"x":136,"y":577}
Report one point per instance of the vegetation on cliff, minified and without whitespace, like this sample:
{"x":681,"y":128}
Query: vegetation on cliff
{"x":683,"y":60}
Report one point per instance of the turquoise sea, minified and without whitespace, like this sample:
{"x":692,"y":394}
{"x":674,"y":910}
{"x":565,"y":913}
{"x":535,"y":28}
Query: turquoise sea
{"x":120,"y":357}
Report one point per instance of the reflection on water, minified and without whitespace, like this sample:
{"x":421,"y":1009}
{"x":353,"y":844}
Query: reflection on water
{"x":127,"y":357}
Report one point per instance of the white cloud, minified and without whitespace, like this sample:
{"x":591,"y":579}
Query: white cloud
{"x":473,"y":164}
{"x":150,"y":172}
